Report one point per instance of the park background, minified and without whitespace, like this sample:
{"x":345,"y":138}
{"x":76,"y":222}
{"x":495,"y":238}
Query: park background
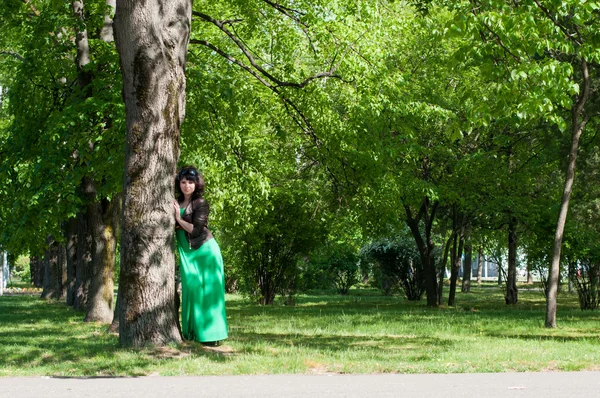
{"x":361,"y":157}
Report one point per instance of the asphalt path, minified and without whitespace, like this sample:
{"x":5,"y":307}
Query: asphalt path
{"x":505,"y":385}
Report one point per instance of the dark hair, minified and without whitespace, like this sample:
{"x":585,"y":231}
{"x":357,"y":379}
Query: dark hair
{"x":189,"y":173}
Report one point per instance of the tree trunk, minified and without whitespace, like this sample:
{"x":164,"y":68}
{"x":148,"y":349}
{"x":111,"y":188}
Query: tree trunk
{"x":457,"y":249}
{"x":152,"y":38}
{"x":114,"y":325}
{"x":577,"y":127}
{"x":36,"y":267}
{"x":512,"y":293}
{"x":107,"y":34}
{"x":466,"y":282}
{"x":2,"y":258}
{"x":84,"y":257}
{"x":102,"y":222}
{"x":55,"y":275}
{"x":426,"y":246}
{"x":443,"y":268}
{"x":71,"y":252}
{"x":479,"y":265}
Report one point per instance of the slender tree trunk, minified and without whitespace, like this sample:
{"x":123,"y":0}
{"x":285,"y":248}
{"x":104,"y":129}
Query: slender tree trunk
{"x":2,"y":258}
{"x":457,"y":249}
{"x":466,"y":282}
{"x":512,"y":293}
{"x":71,"y":252}
{"x":152,"y":38}
{"x":443,"y":267}
{"x":577,"y":127}
{"x":479,"y":265}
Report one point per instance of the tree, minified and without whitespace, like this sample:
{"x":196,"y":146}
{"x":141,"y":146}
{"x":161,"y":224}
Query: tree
{"x":152,"y":39}
{"x":530,"y":43}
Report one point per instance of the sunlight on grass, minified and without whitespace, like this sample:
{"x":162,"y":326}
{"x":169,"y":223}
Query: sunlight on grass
{"x":360,"y":333}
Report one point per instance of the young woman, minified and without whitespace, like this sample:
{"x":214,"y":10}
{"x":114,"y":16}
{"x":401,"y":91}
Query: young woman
{"x":202,"y":278}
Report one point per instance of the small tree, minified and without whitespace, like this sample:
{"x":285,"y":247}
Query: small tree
{"x":268,"y":254}
{"x":585,"y":275}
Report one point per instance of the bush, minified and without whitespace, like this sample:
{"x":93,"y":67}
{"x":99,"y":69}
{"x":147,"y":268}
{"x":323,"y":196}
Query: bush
{"x":397,"y":266}
{"x":268,"y":257}
{"x":585,"y":275}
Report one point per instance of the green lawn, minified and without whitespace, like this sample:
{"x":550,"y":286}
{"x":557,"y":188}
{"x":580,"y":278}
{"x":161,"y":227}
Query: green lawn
{"x":360,"y":333}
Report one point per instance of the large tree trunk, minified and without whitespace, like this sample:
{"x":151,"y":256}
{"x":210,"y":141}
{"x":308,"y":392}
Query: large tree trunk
{"x":466,"y":282}
{"x":512,"y":293}
{"x":71,"y":252}
{"x":102,"y":222}
{"x":84,"y":258}
{"x":426,"y":246}
{"x":577,"y":126}
{"x":152,"y":38}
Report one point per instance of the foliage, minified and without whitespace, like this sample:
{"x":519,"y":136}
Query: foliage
{"x":268,"y":254}
{"x":334,"y":264}
{"x":398,"y":266}
{"x":52,"y":134}
{"x":585,"y":275}
{"x":20,"y":268}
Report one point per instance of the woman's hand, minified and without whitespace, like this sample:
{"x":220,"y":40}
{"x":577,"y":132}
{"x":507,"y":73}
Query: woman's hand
{"x":176,"y":210}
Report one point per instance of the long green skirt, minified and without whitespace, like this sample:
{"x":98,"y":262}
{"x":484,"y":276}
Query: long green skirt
{"x":203,"y":291}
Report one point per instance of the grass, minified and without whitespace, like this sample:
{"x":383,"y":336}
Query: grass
{"x":360,"y":333}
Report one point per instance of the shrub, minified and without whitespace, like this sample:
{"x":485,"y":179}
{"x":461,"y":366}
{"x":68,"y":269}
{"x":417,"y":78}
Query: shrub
{"x":585,"y":275}
{"x":398,"y":266}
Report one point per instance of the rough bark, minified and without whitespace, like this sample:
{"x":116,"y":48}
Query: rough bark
{"x":152,"y":38}
{"x":71,"y":253}
{"x":101,"y":213}
{"x":512,"y":293}
{"x":479,"y":265}
{"x":425,"y":245}
{"x":578,"y":122}
{"x":102,"y":220}
{"x":467,"y":266}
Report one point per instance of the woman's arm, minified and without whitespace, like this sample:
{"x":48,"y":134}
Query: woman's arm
{"x":188,"y":227}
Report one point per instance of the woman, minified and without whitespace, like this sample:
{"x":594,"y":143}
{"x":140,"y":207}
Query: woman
{"x":202,"y":278}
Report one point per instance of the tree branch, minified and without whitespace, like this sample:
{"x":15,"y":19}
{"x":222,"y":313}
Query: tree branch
{"x":14,"y":54}
{"x":501,"y":43}
{"x":288,"y":12}
{"x":556,"y":23}
{"x":255,"y":65}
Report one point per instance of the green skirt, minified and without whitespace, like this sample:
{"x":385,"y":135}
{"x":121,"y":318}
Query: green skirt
{"x":203,"y":291}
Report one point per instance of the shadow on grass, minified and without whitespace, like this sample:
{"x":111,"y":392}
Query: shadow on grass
{"x":381,"y":347}
{"x":53,"y":337}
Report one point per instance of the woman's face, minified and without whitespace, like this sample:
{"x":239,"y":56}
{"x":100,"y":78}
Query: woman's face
{"x":187,"y":186}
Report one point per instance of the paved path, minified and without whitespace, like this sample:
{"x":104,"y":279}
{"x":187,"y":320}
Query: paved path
{"x":495,"y":385}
